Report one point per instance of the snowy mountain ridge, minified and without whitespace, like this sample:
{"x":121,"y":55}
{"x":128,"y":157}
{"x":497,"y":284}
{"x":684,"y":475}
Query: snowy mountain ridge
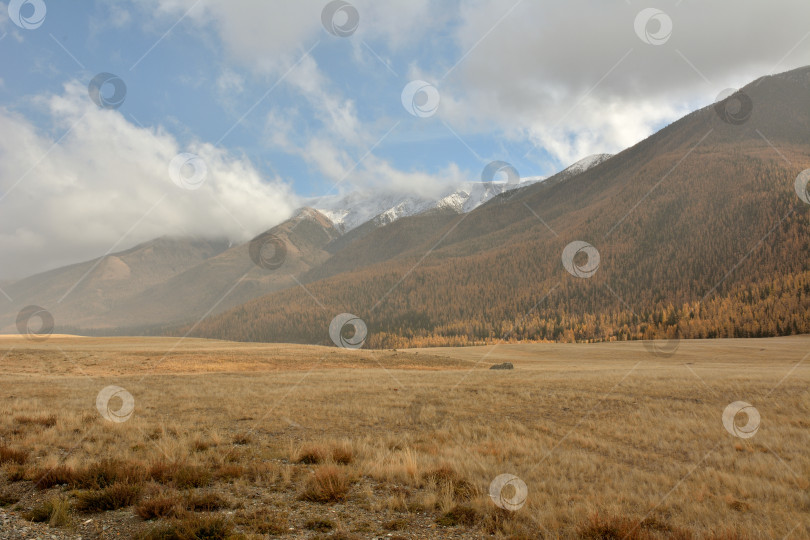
{"x":355,"y":208}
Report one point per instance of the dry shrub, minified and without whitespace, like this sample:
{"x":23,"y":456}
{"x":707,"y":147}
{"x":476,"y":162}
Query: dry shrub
{"x":16,"y":473}
{"x":320,"y":525}
{"x":181,"y":475}
{"x":397,"y":524}
{"x":108,"y":472}
{"x":162,"y":472}
{"x":167,"y":504}
{"x":206,"y":502}
{"x":264,"y":521}
{"x":192,"y":476}
{"x":42,"y":420}
{"x":327,"y":484}
{"x":201,"y":446}
{"x":447,"y":479}
{"x":190,"y":528}
{"x":459,"y":515}
{"x":242,"y":439}
{"x":9,"y":455}
{"x":119,"y":495}
{"x":229,"y":471}
{"x":55,"y":476}
{"x":7,"y":498}
{"x":618,"y":527}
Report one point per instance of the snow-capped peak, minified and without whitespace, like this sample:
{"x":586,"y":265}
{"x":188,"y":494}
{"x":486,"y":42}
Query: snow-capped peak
{"x":356,"y":208}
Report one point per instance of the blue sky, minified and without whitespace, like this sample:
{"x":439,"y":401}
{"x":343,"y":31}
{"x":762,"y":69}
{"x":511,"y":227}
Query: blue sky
{"x":178,"y":85}
{"x":278,"y":109}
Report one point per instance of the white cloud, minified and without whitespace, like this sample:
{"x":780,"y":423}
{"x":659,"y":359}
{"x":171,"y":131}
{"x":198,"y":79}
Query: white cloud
{"x":574,"y":77}
{"x":107,"y":182}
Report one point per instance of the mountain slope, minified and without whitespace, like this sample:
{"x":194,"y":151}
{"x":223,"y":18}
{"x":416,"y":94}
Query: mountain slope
{"x":691,"y":225}
{"x":75,"y":292}
{"x":169,"y":280}
{"x":231,"y":278}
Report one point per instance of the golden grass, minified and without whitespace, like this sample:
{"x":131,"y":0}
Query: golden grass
{"x":609,"y":440}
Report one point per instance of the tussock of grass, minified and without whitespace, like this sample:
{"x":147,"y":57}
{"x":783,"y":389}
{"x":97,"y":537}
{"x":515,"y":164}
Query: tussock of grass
{"x":327,"y":484}
{"x":10,"y":455}
{"x":119,"y":495}
{"x":55,"y":512}
{"x":448,"y":480}
{"x":7,"y":499}
{"x":314,"y":454}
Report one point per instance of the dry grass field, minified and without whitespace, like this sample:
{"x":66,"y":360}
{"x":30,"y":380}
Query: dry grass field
{"x":234,"y":440}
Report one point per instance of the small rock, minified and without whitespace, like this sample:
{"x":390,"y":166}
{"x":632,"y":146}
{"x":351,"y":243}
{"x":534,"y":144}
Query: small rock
{"x":505,"y":365}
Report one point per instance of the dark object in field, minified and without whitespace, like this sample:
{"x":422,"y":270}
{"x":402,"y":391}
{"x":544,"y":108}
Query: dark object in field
{"x":505,"y":365}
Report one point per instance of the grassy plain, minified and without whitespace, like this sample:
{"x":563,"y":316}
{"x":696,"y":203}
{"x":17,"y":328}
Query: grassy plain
{"x":257,"y":440}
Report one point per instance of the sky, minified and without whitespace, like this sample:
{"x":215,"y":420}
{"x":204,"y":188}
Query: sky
{"x":124,"y":121}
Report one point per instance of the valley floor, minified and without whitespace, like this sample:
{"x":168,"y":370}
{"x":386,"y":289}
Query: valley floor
{"x":151,"y":438}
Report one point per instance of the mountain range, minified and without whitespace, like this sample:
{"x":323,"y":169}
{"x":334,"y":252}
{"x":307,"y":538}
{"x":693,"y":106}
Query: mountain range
{"x":696,"y":231}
